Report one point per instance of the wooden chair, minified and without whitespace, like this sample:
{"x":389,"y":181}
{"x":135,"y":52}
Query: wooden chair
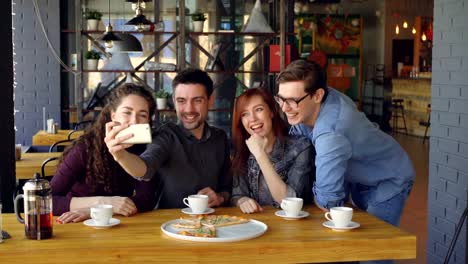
{"x":60,"y":145}
{"x":83,"y":125}
{"x":47,"y":177}
{"x":70,"y":134}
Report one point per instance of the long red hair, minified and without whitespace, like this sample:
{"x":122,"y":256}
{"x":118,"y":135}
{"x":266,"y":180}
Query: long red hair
{"x":239,"y":134}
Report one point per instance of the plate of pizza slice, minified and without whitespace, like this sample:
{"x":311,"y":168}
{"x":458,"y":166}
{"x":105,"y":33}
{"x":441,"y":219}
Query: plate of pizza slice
{"x":214,"y":228}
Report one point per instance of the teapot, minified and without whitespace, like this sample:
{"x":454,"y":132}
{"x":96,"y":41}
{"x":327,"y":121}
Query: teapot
{"x":37,"y":199}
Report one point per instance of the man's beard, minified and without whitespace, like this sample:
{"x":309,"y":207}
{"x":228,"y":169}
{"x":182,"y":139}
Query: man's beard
{"x":191,"y":125}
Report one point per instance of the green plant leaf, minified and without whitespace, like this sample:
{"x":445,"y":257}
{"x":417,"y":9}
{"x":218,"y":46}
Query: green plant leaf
{"x":161,"y":94}
{"x":198,"y":16}
{"x":92,"y":55}
{"x":93,"y":14}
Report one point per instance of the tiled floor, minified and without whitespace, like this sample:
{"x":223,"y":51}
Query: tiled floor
{"x":414,"y":218}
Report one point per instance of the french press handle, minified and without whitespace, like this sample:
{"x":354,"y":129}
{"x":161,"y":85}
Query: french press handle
{"x":17,"y":212}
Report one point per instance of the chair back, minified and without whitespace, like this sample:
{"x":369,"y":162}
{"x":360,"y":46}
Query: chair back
{"x":43,"y":175}
{"x":59,"y":146}
{"x":83,"y":125}
{"x":21,"y":182}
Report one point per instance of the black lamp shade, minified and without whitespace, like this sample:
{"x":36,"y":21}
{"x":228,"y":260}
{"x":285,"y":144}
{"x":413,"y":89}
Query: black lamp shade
{"x":129,"y":43}
{"x":139,"y":20}
{"x":110,"y":36}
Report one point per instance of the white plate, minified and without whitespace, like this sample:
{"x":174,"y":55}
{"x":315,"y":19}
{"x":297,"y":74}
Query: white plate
{"x":282,"y":214}
{"x":351,"y":225}
{"x":112,"y":222}
{"x":188,"y":210}
{"x":232,"y":233}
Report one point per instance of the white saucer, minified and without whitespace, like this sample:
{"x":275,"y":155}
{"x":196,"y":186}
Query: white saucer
{"x":282,"y":214}
{"x":188,"y":210}
{"x":351,"y":225}
{"x":112,"y":222}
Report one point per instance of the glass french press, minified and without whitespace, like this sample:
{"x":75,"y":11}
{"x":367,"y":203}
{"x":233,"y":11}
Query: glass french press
{"x":37,"y":208}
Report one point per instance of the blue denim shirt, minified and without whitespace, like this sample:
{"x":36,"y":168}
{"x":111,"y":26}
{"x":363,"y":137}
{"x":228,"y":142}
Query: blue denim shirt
{"x":350,"y":149}
{"x":291,"y":159}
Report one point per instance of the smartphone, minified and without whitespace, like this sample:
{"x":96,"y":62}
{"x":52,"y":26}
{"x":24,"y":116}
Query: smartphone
{"x":141,"y":134}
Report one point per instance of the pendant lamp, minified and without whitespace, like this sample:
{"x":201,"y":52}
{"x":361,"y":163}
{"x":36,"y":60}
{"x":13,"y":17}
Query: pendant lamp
{"x":128,"y":44}
{"x":139,"y":20}
{"x":109,"y":37}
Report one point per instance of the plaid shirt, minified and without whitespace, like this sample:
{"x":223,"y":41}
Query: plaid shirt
{"x":292,"y":159}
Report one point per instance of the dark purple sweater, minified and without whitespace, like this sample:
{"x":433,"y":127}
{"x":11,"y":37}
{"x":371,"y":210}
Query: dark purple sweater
{"x":69,"y":181}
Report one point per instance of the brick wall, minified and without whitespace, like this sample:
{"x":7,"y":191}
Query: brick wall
{"x":37,"y":74}
{"x":448,"y":171}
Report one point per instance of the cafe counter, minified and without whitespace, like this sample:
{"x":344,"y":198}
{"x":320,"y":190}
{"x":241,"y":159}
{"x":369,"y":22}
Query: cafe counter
{"x":416,"y":94}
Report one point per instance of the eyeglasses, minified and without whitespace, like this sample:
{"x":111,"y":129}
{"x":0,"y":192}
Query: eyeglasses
{"x":291,"y":102}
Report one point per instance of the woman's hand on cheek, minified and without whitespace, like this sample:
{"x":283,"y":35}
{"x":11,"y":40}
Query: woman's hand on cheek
{"x":257,"y":145}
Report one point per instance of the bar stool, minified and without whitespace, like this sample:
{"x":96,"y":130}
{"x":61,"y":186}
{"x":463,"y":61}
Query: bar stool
{"x":398,"y":111}
{"x":426,"y":124}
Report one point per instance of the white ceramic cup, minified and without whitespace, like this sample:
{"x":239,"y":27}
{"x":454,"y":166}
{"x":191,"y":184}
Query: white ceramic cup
{"x":340,"y":216}
{"x":101,"y":214}
{"x":292,"y":206}
{"x":197,"y":202}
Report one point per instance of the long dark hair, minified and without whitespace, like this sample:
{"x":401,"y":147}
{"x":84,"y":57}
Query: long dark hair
{"x":239,"y":134}
{"x":100,"y":166}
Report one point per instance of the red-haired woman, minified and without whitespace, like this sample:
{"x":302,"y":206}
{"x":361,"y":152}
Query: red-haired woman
{"x":268,"y":164}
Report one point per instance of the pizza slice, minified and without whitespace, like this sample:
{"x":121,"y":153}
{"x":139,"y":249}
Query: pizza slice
{"x":204,"y":231}
{"x":188,"y":223}
{"x":222,"y":220}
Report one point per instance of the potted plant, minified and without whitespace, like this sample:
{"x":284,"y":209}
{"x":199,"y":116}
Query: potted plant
{"x":92,"y":59}
{"x":198,"y":19}
{"x":93,"y":17}
{"x":161,"y":99}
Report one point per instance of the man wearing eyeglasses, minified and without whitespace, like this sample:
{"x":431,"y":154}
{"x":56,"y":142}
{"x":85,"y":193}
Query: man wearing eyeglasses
{"x":353,"y":155}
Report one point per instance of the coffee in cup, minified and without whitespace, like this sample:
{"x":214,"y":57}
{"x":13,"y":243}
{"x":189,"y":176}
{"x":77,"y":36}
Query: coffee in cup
{"x":18,"y":151}
{"x":340,"y":216}
{"x":197,"y":202}
{"x":292,"y":206}
{"x":101,"y":214}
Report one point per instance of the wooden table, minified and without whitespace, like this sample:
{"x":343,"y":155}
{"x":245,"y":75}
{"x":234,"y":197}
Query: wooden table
{"x":139,"y":239}
{"x":30,"y":163}
{"x":42,"y":138}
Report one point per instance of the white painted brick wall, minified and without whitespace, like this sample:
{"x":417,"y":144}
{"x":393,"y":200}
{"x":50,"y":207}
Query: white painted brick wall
{"x":37,"y":74}
{"x":450,"y":119}
{"x":447,"y":173}
{"x":448,"y":168}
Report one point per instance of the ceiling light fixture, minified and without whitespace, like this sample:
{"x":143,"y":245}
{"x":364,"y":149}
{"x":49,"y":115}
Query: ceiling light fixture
{"x":139,"y":20}
{"x":405,"y":24}
{"x":128,"y":44}
{"x":109,"y":37}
